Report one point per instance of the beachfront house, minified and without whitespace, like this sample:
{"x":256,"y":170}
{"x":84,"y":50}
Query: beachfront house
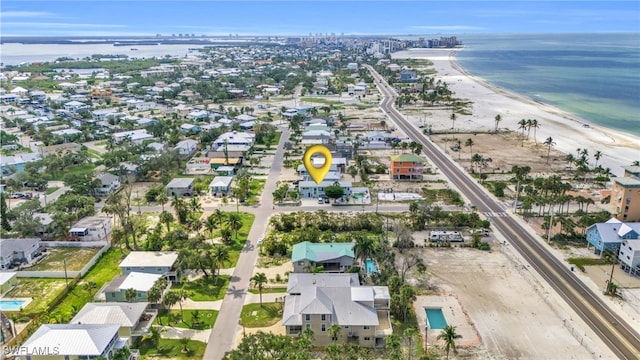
{"x":318,"y":301}
{"x":625,"y":195}
{"x":332,"y":257}
{"x":406,"y":167}
{"x":608,"y":236}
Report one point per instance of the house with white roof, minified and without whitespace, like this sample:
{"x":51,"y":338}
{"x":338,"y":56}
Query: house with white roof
{"x":134,"y":319}
{"x":92,"y":228}
{"x":318,"y":301}
{"x":309,"y":189}
{"x":73,"y":341}
{"x":136,"y":136}
{"x":75,"y":106}
{"x":109,"y":183}
{"x":180,"y":187}
{"x":235,"y":138}
{"x":116,"y":290}
{"x":151,"y":262}
{"x":186,"y":148}
{"x":221,"y":185}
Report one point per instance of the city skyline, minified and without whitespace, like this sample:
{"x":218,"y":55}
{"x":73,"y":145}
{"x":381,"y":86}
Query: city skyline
{"x":246,"y":18}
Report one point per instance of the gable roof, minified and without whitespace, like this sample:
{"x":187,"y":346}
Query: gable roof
{"x":150,"y":259}
{"x":319,"y":252}
{"x":407,"y":158}
{"x":123,"y":314}
{"x":72,"y":339}
{"x":139,"y":281}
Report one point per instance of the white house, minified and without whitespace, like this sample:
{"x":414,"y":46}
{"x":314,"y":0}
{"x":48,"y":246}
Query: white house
{"x":136,"y":136}
{"x":235,"y":138}
{"x":186,"y":148}
{"x":15,"y":252}
{"x":74,"y":341}
{"x":180,"y":186}
{"x":151,"y":262}
{"x":108,"y":184}
{"x":92,"y":228}
{"x":309,"y":189}
{"x":221,"y":185}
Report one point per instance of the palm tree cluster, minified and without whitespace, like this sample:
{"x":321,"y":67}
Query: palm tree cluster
{"x":527,"y":125}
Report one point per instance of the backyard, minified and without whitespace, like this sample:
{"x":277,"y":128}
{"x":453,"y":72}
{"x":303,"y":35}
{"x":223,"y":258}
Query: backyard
{"x":172,"y":349}
{"x":75,"y":258}
{"x":256,"y":315}
{"x":204,"y":319}
{"x":42,"y":291}
{"x":205,"y":289}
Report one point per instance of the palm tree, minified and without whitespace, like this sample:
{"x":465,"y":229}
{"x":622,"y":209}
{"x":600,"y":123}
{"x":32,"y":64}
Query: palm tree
{"x":522,"y":124}
{"x":535,"y":125}
{"x":364,"y":248}
{"x":162,"y":199}
{"x":220,"y":256}
{"x":549,"y":142}
{"x":154,"y":334}
{"x":570,"y":159}
{"x":453,"y":120}
{"x":459,"y":145}
{"x":166,"y":218}
{"x":335,"y":331}
{"x":259,"y":280}
{"x":219,"y":216}
{"x":170,"y":299}
{"x":185,"y":343}
{"x":449,"y":336}
{"x":597,"y":155}
{"x":470,"y":144}
{"x":234,"y":221}
{"x":210,"y":224}
{"x":181,"y":295}
{"x":497,"y":119}
{"x":410,"y":334}
{"x":130,"y":294}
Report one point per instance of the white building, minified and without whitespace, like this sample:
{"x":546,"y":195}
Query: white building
{"x":92,"y":228}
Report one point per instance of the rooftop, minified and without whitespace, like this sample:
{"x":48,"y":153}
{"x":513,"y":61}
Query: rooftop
{"x":72,"y":339}
{"x":319,"y":252}
{"x":123,"y":314}
{"x":407,"y":158}
{"x":139,"y":281}
{"x":150,"y":259}
{"x":180,"y":183}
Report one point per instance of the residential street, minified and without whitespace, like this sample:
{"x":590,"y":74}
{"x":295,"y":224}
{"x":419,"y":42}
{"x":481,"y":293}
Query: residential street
{"x":223,"y":334}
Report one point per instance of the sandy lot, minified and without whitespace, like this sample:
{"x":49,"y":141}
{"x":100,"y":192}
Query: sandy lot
{"x":488,"y":101}
{"x":515,"y":316}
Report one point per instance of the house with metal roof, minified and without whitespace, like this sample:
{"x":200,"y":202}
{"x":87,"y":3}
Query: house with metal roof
{"x":221,"y":185}
{"x":406,"y":167}
{"x":73,"y":341}
{"x":318,"y":301}
{"x":151,"y":262}
{"x":332,"y":257}
{"x":608,"y":236}
{"x":135,"y":319}
{"x":18,"y":251}
{"x":180,"y":186}
{"x":115,"y":290}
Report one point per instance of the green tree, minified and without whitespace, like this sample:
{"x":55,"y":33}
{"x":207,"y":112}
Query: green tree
{"x":259,"y":280}
{"x":130,"y":294}
{"x":219,"y":256}
{"x":453,"y":120}
{"x":409,"y":335}
{"x":364,"y":248}
{"x":185,"y":343}
{"x":162,"y":198}
{"x":4,"y":221}
{"x":470,"y":144}
{"x":335,"y":331}
{"x":497,"y":120}
{"x":334,"y":191}
{"x":166,"y":218}
{"x":234,"y":222}
{"x":549,"y":142}
{"x":449,"y":336}
{"x":154,"y":335}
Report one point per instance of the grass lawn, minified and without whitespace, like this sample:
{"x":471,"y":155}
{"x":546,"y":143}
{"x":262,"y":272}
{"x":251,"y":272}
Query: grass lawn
{"x":94,"y":154}
{"x":78,"y":169}
{"x":43,"y":291}
{"x":265,"y":315}
{"x":580,"y":263}
{"x":76,"y":258}
{"x":274,"y":290}
{"x":105,"y":269}
{"x":51,"y":190}
{"x":205,"y":289}
{"x":321,"y":101}
{"x":255,"y":190}
{"x":243,"y":234}
{"x":172,"y":349}
{"x":172,"y":318}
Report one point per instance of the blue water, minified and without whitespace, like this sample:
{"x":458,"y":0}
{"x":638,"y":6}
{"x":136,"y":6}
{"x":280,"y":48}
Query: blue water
{"x":595,"y":76}
{"x":11,"y":305}
{"x":435,"y":318}
{"x":370,"y":266}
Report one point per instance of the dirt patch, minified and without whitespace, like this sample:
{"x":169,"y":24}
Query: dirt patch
{"x":510,"y":310}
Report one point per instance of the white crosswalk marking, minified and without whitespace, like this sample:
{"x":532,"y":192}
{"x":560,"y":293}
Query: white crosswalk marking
{"x":496,"y":214}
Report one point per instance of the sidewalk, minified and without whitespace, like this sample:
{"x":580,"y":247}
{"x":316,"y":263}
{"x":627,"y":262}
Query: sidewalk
{"x":180,"y":333}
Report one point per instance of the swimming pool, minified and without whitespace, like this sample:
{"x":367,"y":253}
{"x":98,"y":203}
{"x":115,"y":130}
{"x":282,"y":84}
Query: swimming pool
{"x":358,"y":196}
{"x":11,"y":305}
{"x":435,"y":318}
{"x":370,"y":266}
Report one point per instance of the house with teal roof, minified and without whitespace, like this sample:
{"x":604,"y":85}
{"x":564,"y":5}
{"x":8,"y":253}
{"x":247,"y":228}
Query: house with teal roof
{"x":333,"y":257}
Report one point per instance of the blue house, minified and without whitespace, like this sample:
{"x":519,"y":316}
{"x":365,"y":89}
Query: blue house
{"x":189,"y":129}
{"x":609,"y":235}
{"x":408,"y":76}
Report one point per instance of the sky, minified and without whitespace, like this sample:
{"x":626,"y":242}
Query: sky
{"x":209,"y":17}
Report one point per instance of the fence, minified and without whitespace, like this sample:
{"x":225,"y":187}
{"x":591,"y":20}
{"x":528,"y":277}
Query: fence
{"x":69,"y":274}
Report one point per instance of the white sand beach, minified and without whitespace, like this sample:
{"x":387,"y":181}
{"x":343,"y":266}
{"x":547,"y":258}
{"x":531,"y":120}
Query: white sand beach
{"x":567,"y":130}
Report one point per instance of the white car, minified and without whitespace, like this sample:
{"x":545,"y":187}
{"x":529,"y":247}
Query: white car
{"x":260,"y":241}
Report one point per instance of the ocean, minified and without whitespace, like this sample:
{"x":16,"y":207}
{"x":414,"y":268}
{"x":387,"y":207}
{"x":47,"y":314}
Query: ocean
{"x":594,"y":76}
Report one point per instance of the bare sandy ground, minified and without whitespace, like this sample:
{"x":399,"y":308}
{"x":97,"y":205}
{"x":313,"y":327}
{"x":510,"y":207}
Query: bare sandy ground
{"x":619,"y":149}
{"x":515,"y":316}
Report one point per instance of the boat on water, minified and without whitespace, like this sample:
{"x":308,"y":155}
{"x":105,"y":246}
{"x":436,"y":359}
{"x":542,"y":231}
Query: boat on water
{"x":134,"y":49}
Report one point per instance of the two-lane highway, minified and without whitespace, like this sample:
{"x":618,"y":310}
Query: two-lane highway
{"x":613,"y":330}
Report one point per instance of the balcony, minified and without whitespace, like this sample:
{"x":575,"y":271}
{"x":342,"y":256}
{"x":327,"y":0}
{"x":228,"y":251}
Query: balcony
{"x":145,"y":322}
{"x":384,"y":324}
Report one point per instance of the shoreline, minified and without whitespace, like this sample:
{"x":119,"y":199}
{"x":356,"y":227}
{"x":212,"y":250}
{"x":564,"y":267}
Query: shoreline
{"x":567,"y":129}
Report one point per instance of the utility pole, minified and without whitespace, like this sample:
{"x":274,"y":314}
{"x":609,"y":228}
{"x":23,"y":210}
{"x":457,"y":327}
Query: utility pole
{"x":66,"y":278}
{"x":550,"y":225}
{"x":515,"y":203}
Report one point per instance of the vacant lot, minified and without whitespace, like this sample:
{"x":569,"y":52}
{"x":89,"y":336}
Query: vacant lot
{"x":43,"y":291}
{"x":75,"y":258}
{"x":513,"y":314}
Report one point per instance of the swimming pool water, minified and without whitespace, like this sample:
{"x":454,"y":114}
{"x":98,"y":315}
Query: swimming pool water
{"x":11,"y":305}
{"x":370,"y":266}
{"x":435,"y":318}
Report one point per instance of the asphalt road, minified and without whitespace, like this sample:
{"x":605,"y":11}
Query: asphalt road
{"x":613,"y":330}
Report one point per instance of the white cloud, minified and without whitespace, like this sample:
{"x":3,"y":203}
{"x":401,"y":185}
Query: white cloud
{"x":26,"y":14}
{"x":448,"y":27}
{"x":57,"y":25}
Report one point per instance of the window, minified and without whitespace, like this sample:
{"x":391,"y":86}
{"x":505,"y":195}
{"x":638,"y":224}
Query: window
{"x":323,"y":328}
{"x":324,"y":317}
{"x":346,"y":326}
{"x":307,"y":317}
{"x":308,"y":326}
{"x":365,"y":327}
{"x":366,"y":338}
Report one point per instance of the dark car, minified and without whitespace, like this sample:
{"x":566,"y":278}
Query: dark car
{"x":326,"y":200}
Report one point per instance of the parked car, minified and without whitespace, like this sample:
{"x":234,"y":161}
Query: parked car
{"x":326,"y":200}
{"x":260,"y":241}
{"x":320,"y":200}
